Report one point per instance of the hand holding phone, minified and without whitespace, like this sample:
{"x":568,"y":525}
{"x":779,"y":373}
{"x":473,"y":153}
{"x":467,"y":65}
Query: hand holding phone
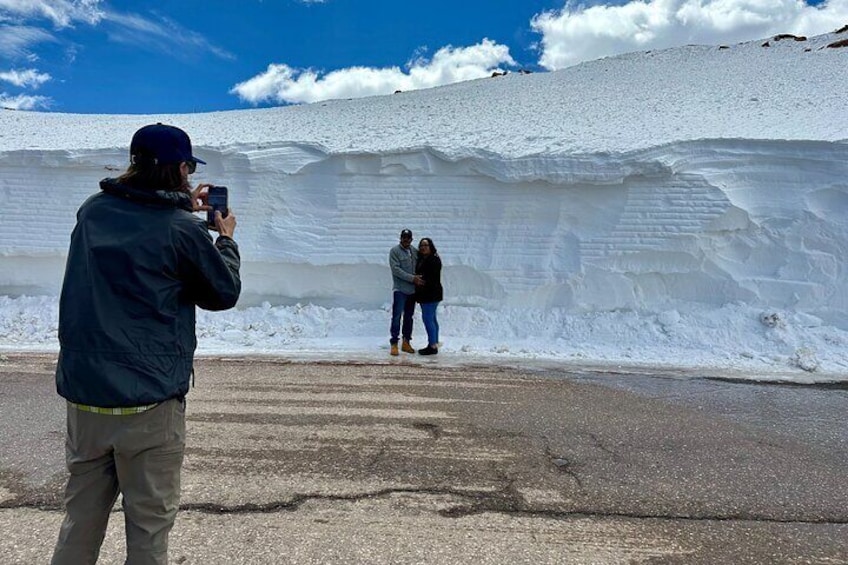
{"x":216,"y":199}
{"x":226,"y":226}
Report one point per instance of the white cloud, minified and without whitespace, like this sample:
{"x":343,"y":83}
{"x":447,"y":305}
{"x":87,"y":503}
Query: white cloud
{"x":16,"y":40}
{"x":62,"y":13}
{"x":284,"y":84}
{"x":23,"y":102}
{"x":159,"y":33}
{"x":163,"y":35}
{"x":25,"y":78}
{"x":580,"y":33}
{"x":24,"y":27}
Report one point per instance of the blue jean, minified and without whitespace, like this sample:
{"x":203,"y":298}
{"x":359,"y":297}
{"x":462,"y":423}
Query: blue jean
{"x":431,"y":323}
{"x":403,"y":305}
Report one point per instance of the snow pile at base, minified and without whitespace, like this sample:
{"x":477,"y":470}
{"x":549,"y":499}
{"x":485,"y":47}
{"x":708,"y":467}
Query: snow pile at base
{"x":685,"y":207}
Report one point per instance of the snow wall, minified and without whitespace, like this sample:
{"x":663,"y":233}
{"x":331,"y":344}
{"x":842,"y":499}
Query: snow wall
{"x":706,"y":222}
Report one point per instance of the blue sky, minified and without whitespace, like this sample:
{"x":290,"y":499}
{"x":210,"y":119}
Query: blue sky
{"x":120,"y":56}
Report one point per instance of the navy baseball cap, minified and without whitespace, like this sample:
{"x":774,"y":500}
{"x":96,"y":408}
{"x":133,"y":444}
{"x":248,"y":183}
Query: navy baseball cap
{"x":406,"y":234}
{"x":161,"y":144}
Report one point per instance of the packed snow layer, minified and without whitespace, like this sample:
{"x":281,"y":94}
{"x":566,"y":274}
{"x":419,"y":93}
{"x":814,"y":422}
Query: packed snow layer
{"x":687,"y":205}
{"x":713,"y":222}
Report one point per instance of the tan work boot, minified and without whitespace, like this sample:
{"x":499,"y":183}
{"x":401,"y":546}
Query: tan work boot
{"x":406,"y":347}
{"x":395,"y":351}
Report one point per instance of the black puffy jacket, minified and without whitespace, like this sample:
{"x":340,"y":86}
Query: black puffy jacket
{"x":430,"y":269}
{"x":138,"y":264}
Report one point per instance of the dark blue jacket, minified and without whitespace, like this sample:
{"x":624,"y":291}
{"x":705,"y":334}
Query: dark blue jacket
{"x":138,"y":264}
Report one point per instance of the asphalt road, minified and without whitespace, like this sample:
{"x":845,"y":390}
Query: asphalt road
{"x":407,"y":462}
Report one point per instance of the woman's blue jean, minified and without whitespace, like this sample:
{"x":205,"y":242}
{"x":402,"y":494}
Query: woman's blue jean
{"x":431,"y":323}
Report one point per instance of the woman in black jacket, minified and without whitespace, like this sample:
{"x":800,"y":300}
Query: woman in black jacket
{"x":429,"y":294}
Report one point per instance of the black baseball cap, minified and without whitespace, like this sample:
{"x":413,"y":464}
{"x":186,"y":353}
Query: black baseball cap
{"x":406,"y":233}
{"x":161,"y":144}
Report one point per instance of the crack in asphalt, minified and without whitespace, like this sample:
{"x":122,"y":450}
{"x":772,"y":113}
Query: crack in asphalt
{"x":562,"y":463}
{"x":378,"y":456}
{"x":822,"y":385}
{"x":434,"y":430}
{"x":506,"y":502}
{"x":596,"y":441}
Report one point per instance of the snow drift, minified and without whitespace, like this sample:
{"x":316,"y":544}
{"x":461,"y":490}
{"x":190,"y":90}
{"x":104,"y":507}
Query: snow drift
{"x":661,"y":184}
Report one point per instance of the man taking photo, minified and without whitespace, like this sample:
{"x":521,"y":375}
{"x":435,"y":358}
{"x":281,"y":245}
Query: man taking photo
{"x":139,"y":263}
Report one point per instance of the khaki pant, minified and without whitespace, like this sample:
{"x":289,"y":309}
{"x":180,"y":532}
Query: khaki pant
{"x":139,"y":456}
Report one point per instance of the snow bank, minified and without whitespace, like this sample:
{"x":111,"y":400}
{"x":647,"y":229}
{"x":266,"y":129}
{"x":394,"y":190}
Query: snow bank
{"x":645,"y":207}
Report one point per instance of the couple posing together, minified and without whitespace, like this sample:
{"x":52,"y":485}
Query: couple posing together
{"x":416,"y":277}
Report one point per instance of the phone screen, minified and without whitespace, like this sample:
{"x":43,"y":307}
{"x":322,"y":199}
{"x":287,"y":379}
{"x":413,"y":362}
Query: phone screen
{"x":217,"y":199}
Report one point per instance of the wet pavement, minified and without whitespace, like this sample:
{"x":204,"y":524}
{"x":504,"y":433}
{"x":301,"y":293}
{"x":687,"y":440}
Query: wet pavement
{"x":407,"y":462}
{"x":811,"y":413}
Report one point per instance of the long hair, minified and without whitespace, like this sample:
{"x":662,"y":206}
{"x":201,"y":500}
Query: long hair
{"x":148,"y":176}
{"x":433,"y":250}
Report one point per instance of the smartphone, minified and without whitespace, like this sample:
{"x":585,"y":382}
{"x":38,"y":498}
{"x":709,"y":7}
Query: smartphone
{"x":217,"y":199}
